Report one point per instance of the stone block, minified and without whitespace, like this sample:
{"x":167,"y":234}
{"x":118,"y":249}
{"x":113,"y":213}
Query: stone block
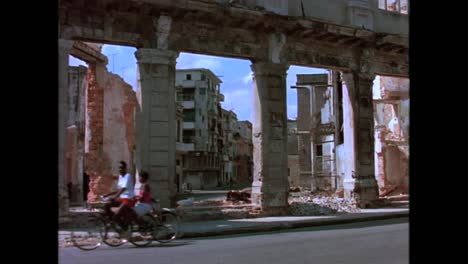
{"x":274,"y":199}
{"x":366,"y":170}
{"x":275,"y":93}
{"x":276,"y":106}
{"x":276,"y":159}
{"x":160,"y":99}
{"x":159,"y":129}
{"x":365,"y":112}
{"x":276,"y":174}
{"x":159,"y":143}
{"x":277,"y":146}
{"x":366,"y":123}
{"x":365,"y":158}
{"x":161,"y":85}
{"x":159,"y":114}
{"x":158,"y":173}
{"x":278,"y":133}
{"x":159,"y":158}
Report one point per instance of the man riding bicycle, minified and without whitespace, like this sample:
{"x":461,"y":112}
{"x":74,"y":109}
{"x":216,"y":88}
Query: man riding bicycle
{"x":123,"y":198}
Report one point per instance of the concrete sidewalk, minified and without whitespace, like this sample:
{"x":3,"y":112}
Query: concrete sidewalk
{"x":263,"y":224}
{"x":237,"y":226}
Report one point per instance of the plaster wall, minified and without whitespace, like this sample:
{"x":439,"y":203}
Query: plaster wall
{"x":119,"y":133}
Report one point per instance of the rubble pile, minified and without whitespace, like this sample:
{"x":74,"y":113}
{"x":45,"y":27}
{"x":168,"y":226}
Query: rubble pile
{"x":303,"y":204}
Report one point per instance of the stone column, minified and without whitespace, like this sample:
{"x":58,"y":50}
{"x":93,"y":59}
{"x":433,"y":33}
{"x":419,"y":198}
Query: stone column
{"x":156,"y":125}
{"x":64,"y":51}
{"x":304,"y":143}
{"x":359,"y":183}
{"x":270,"y":184}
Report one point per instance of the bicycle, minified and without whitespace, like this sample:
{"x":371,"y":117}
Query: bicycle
{"x":161,"y":225}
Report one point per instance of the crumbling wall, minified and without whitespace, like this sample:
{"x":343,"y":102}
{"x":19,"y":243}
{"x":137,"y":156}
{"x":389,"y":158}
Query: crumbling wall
{"x":110,"y":132}
{"x":395,"y":168}
{"x":244,"y":161}
{"x":391,"y":112}
{"x":394,"y":88}
{"x":119,"y":132}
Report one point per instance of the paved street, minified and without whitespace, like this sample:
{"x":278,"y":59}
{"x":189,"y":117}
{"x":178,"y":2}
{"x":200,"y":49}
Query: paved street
{"x":382,"y":242}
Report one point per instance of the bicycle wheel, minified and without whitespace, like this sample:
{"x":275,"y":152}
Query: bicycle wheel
{"x":87,"y":233}
{"x":142,"y":235}
{"x":168,"y":227}
{"x":111,"y":236}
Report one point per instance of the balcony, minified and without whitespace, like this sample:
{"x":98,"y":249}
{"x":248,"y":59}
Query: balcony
{"x":188,"y":104}
{"x":184,"y":147}
{"x":187,"y":83}
{"x":189,"y":125}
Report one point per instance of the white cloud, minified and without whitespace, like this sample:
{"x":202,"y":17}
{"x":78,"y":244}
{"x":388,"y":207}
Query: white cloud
{"x":248,"y":78}
{"x":187,"y":61}
{"x":240,"y":101}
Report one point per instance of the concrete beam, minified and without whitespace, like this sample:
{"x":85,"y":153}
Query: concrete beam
{"x":86,"y":53}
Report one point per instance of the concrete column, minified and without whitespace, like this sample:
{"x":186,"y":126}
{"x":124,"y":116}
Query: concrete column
{"x":64,"y":51}
{"x":359,"y":183}
{"x":156,"y":121}
{"x":304,"y":143}
{"x":270,"y":184}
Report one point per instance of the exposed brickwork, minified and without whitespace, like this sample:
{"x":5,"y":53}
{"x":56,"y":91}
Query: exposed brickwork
{"x":94,"y":123}
{"x":110,"y":121}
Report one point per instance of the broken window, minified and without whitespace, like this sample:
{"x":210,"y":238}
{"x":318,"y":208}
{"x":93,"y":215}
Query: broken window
{"x":188,"y":77}
{"x":188,"y":137}
{"x":319,"y":150}
{"x":186,"y":94}
{"x":189,"y":115}
{"x":397,"y":6}
{"x":404,"y":6}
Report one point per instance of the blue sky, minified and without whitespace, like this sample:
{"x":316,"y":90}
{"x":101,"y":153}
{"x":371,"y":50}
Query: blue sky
{"x":235,"y":73}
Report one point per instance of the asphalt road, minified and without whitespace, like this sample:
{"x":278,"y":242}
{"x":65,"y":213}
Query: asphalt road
{"x":377,"y":242}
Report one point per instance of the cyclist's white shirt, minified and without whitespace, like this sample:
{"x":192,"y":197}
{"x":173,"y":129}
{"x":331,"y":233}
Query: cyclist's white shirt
{"x":126,"y":182}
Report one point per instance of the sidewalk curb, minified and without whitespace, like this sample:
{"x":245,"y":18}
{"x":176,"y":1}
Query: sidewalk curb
{"x":283,"y":225}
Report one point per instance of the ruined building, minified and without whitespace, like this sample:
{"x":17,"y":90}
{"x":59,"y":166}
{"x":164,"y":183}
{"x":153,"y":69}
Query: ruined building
{"x":215,"y":147}
{"x":228,"y":127}
{"x":317,"y":144}
{"x":181,"y":147}
{"x":391,"y":114}
{"x":243,"y":153}
{"x":358,"y":38}
{"x":100,"y":126}
{"x":198,"y":90}
{"x":316,"y":131}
